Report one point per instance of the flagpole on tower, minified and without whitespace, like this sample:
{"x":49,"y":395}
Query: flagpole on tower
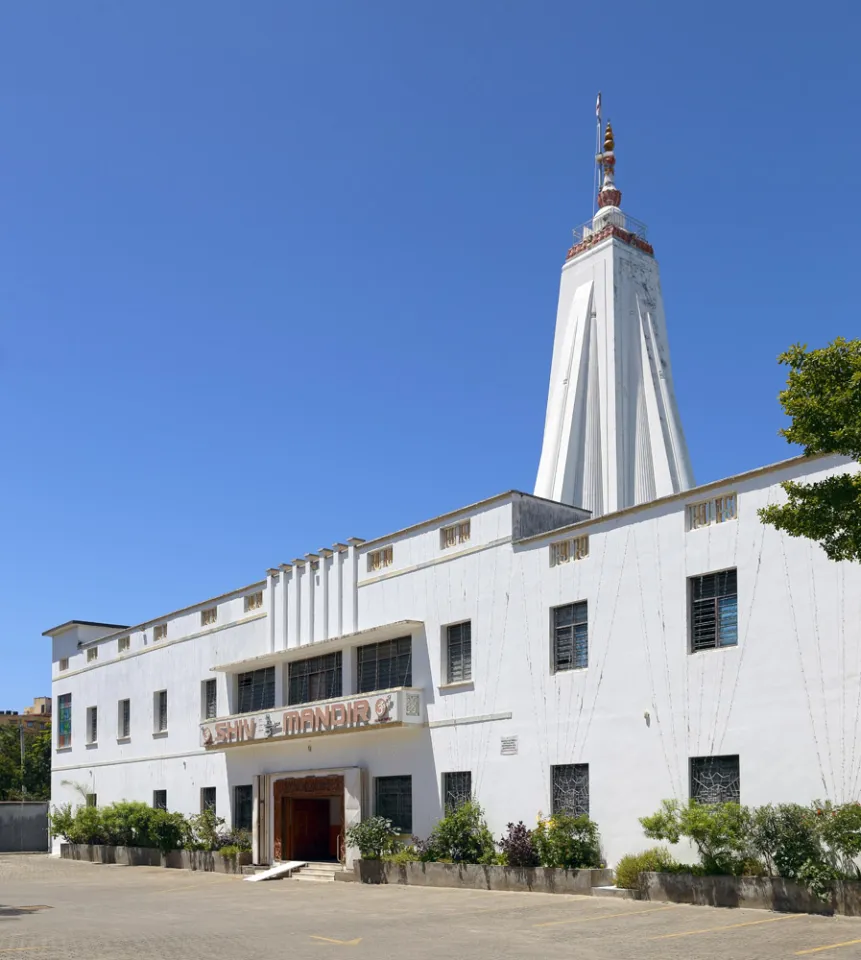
{"x":597,"y":151}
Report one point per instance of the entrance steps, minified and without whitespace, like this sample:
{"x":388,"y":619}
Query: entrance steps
{"x":316,"y":872}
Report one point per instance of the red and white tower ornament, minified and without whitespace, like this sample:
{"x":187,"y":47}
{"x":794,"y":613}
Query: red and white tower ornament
{"x":608,"y":196}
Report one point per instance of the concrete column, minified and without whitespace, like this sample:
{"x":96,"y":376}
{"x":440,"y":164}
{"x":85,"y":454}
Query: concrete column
{"x":311,"y":574}
{"x":258,"y":822}
{"x":299,"y":572}
{"x":285,"y":609}
{"x":272,"y":576}
{"x":327,"y":570}
{"x":353,"y":582}
{"x":340,"y":550}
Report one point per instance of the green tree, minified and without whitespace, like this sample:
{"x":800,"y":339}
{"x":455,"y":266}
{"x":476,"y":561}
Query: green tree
{"x":33,"y":780}
{"x":823,"y":400}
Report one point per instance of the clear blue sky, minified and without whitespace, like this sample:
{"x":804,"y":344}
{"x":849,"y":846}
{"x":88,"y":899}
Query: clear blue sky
{"x":275,"y":274}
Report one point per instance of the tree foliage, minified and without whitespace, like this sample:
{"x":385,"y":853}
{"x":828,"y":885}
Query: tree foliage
{"x":33,"y":780}
{"x":823,"y":400}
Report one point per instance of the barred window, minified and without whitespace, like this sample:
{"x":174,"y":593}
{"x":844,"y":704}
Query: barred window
{"x":382,"y":666}
{"x":714,"y":610}
{"x":254,"y":601}
{"x":208,"y":616}
{"x":159,"y":799}
{"x":123,"y":644}
{"x":571,"y":789}
{"x":459,"y":652}
{"x":378,"y":559}
{"x":64,"y":663}
{"x":210,"y":699}
{"x":256,"y":690}
{"x":159,"y":632}
{"x":715,"y":779}
{"x":64,"y":720}
{"x":92,"y":724}
{"x":124,"y":716}
{"x":317,"y":678}
{"x":456,"y":789}
{"x":207,"y":799}
{"x":566,"y":550}
{"x":92,"y":654}
{"x":394,"y":800}
{"x":570,"y":637}
{"x":715,"y":510}
{"x":243,"y":802}
{"x":455,"y":534}
{"x":160,"y":711}
{"x":92,"y":800}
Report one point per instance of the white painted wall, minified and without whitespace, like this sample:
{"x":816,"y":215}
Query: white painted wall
{"x":785,"y":699}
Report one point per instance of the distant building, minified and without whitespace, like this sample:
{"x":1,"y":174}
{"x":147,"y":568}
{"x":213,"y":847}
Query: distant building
{"x":35,"y":718}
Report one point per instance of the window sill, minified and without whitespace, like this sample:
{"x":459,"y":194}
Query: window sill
{"x":92,"y":744}
{"x":159,"y":734}
{"x":557,"y":670}
{"x":457,"y":685}
{"x":124,"y":739}
{"x":64,"y":749}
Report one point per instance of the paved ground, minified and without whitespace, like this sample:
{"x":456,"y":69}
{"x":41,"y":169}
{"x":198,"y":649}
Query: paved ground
{"x":61,"y":910}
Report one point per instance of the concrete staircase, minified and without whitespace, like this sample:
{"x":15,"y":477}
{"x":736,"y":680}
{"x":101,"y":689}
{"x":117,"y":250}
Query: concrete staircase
{"x":316,"y":872}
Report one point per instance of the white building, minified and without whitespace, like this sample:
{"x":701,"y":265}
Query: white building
{"x":518,"y":649}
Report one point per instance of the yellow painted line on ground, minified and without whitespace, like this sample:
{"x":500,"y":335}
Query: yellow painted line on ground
{"x":728,"y":926}
{"x":607,"y":916}
{"x":830,"y":946}
{"x":341,"y":943}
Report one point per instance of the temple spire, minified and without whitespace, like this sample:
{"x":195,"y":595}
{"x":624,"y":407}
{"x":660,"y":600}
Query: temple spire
{"x":609,"y":196}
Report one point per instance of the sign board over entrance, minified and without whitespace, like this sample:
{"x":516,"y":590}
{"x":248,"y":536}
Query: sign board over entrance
{"x":376,"y":710}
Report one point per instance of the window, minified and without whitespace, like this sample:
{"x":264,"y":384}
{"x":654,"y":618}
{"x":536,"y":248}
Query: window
{"x":567,"y":550}
{"x":394,"y":800}
{"x":160,"y":711}
{"x":456,"y":789}
{"x":256,"y":690}
{"x":243,"y":801}
{"x":159,"y":799}
{"x":92,"y":800}
{"x":378,"y":559}
{"x":571,"y":789}
{"x":92,"y":654}
{"x":382,"y":666}
{"x":715,"y":510}
{"x":123,"y":644}
{"x":124,"y":719}
{"x":570,"y":637}
{"x":207,"y":799}
{"x":64,"y":664}
{"x":159,"y":632}
{"x":459,"y":652}
{"x":92,"y":724}
{"x":210,"y":699}
{"x":254,"y":601}
{"x":64,"y":720}
{"x":317,"y":678}
{"x":208,"y":617}
{"x":714,"y":610}
{"x":455,"y":534}
{"x":715,"y":779}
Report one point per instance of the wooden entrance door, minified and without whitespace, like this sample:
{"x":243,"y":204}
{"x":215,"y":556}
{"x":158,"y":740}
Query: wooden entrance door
{"x":309,"y":820}
{"x":319,"y":827}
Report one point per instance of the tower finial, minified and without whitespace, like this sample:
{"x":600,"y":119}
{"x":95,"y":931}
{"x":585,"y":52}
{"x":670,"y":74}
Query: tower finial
{"x":609,"y":196}
{"x":608,"y":138}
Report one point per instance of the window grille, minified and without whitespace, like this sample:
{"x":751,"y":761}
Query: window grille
{"x":207,"y":799}
{"x":92,"y":654}
{"x":456,"y":789}
{"x":123,"y":644}
{"x":382,"y":666}
{"x":64,"y":720}
{"x":256,"y":690}
{"x":92,"y":724}
{"x":209,"y":616}
{"x":394,"y":800}
{"x":566,"y":550}
{"x":243,"y":802}
{"x":161,"y":711}
{"x":92,"y":800}
{"x":715,"y":510}
{"x":571,"y":789}
{"x":570,"y":637}
{"x":455,"y":534}
{"x":64,"y":664}
{"x":124,"y":715}
{"x":159,"y":632}
{"x":159,"y":799}
{"x":317,"y":678}
{"x":210,"y":699}
{"x":714,"y":610}
{"x":254,"y":601}
{"x":715,"y":779}
{"x":378,"y":559}
{"x":459,"y":652}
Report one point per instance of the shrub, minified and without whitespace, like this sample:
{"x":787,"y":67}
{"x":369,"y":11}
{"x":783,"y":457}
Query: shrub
{"x":230,"y":850}
{"x":61,"y":821}
{"x":517,"y":846}
{"x":566,"y":841}
{"x":203,"y":831}
{"x":374,"y":837}
{"x":462,"y":836}
{"x":128,"y":823}
{"x":169,"y":830}
{"x":840,"y":829}
{"x":787,"y":837}
{"x":234,"y":837}
{"x":407,"y":854}
{"x":655,"y":860}
{"x":87,"y":826}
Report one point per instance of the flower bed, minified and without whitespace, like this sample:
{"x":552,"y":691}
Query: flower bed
{"x":210,"y":861}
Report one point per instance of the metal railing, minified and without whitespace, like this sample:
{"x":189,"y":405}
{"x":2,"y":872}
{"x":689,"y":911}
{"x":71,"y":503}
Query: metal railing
{"x":617,"y":219}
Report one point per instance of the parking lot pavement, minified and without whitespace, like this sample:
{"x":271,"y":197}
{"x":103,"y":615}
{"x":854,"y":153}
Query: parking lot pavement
{"x":60,"y":910}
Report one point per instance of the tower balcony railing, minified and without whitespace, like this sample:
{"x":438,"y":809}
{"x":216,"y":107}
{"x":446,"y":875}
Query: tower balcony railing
{"x":615,"y":218}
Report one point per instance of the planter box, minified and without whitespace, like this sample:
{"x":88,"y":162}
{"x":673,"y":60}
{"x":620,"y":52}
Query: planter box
{"x":758,"y":893}
{"x":150,"y":857}
{"x":471,"y":876}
